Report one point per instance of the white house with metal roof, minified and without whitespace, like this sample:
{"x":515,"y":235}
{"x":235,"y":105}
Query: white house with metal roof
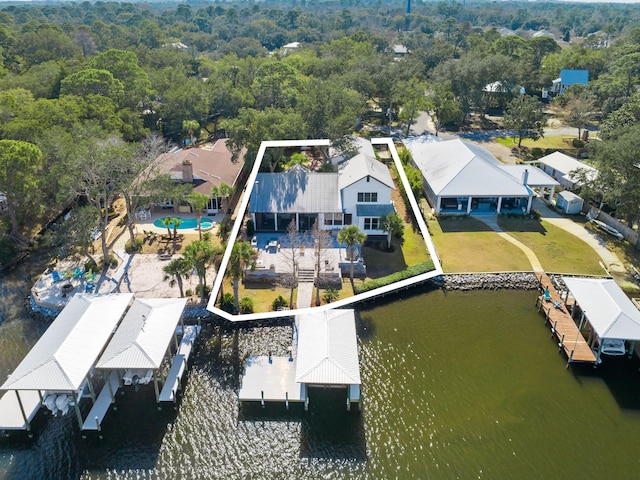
{"x":358,"y":193}
{"x":565,"y":169}
{"x":463,"y":178}
{"x":610,"y":315}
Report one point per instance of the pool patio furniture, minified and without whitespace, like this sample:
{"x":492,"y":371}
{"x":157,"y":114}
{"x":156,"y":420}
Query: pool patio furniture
{"x":547,"y":295}
{"x":78,"y":273}
{"x":56,"y":276}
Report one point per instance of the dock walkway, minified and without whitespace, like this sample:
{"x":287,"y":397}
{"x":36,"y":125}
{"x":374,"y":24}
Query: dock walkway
{"x":179,"y":365}
{"x":17,"y":409}
{"x":103,"y":402}
{"x":563,"y":327}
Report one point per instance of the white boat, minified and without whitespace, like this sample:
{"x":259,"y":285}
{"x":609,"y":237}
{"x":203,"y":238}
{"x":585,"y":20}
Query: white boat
{"x":610,"y":230}
{"x":613,"y":346}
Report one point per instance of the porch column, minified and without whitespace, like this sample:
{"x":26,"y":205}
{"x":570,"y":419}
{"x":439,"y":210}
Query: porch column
{"x":499,"y":206}
{"x":275,"y":221}
{"x":297,"y":222}
{"x":552,"y":191}
{"x":529,"y":204}
{"x":438,"y":204}
{"x":253,"y":219}
{"x":469,"y":204}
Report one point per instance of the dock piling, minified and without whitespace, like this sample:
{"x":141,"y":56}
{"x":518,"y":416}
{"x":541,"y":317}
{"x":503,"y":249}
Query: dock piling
{"x":286,"y":400}
{"x":262,"y":398}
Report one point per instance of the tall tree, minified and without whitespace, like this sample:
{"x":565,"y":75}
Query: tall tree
{"x":222,"y":192}
{"x":580,"y":108}
{"x":198,"y":202}
{"x":524,"y":115}
{"x":242,"y":255}
{"x":176,"y":271}
{"x":291,"y":254}
{"x":201,"y":254}
{"x":393,"y":225}
{"x":351,"y":236}
{"x":321,"y":245}
{"x":20,"y":163}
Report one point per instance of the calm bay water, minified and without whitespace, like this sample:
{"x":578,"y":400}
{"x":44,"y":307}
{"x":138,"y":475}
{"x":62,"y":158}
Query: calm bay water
{"x":464,"y":385}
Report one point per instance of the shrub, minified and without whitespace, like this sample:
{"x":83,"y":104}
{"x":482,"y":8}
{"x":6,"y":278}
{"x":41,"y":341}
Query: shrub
{"x":138,"y":246}
{"x":577,"y":143}
{"x":246,"y":305}
{"x":113,"y":260}
{"x":412,"y":271}
{"x":8,"y":250}
{"x":251,"y":228}
{"x":228,"y":303}
{"x":207,"y":290}
{"x":90,"y":265}
{"x":188,"y":292}
{"x":279,"y":303}
{"x":330,"y":294}
{"x":537,"y":152}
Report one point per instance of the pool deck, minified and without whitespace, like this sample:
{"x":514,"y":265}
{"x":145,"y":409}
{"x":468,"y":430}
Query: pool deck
{"x":148,"y":223}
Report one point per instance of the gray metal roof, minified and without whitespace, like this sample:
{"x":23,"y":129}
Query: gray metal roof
{"x":607,"y":307}
{"x":327,"y":350}
{"x":66,"y":352}
{"x":296,"y":191}
{"x":361,"y":166}
{"x":144,"y":334}
{"x":458,"y":169}
{"x":535,"y":176}
{"x":373,"y":209}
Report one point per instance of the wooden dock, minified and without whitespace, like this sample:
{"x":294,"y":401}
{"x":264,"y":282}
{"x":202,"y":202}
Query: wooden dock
{"x":103,"y":402}
{"x":179,"y":365}
{"x":562,"y":325}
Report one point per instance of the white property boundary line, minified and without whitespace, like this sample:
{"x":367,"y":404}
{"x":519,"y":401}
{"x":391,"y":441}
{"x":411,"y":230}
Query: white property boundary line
{"x":340,"y":303}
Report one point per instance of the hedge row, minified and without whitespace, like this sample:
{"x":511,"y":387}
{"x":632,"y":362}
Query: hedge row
{"x":412,"y":271}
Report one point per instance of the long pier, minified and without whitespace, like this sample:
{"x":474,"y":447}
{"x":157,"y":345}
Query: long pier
{"x":562,"y":325}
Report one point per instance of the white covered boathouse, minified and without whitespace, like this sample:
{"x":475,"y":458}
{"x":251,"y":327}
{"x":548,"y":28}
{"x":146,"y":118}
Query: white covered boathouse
{"x":324,"y":354}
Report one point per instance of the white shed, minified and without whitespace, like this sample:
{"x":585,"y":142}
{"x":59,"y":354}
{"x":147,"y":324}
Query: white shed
{"x":569,"y":202}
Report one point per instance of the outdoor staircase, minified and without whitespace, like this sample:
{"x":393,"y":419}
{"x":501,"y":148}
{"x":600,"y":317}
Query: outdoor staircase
{"x":306,"y":276}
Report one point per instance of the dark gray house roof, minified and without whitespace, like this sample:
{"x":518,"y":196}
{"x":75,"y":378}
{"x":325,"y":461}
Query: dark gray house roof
{"x":296,"y":191}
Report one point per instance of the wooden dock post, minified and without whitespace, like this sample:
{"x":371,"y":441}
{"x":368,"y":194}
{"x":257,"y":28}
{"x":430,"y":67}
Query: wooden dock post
{"x":262,"y":398}
{"x":561,"y":344}
{"x":286,"y":400}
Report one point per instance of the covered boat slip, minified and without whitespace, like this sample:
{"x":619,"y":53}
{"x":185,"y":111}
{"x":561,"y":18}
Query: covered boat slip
{"x":178,"y":367}
{"x":137,"y":350}
{"x":60,"y":362}
{"x":324,"y":353}
{"x":610,"y":316}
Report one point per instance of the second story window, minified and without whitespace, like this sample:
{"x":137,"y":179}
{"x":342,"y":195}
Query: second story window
{"x":367,"y":197}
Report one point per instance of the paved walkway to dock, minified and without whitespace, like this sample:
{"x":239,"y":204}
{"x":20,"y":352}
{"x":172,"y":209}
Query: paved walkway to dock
{"x":492,"y":222}
{"x":563,"y":327}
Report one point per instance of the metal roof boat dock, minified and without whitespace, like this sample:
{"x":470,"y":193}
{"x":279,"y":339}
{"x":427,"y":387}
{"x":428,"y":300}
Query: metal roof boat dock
{"x":60,"y":362}
{"x":324,"y":353}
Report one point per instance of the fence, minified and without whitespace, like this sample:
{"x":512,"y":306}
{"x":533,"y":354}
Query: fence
{"x":629,"y":234}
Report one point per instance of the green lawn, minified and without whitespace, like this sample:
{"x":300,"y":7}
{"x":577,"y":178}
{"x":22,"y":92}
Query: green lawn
{"x":546,"y":142}
{"x":465,"y":244}
{"x":557,"y":250}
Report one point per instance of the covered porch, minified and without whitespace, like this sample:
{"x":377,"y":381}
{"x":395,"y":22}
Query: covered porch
{"x":478,"y":205}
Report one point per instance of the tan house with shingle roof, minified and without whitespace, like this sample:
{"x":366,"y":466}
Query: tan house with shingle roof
{"x":204,"y":167}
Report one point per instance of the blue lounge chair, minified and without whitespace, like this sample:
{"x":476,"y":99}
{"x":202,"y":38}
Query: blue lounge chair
{"x":547,"y":294}
{"x":89,"y":287}
{"x":56,"y":276}
{"x":78,"y":273}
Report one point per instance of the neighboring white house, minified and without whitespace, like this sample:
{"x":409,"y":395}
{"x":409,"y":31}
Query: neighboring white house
{"x":563,"y":168}
{"x":359,"y":193}
{"x":463,"y":178}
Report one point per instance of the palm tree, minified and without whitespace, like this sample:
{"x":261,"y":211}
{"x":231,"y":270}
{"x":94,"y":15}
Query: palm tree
{"x":201,"y":254}
{"x":177,"y":221}
{"x":222,"y":191}
{"x":242,"y":254}
{"x":393,"y":225}
{"x":198,"y":202}
{"x":177,"y":270}
{"x":351,"y":236}
{"x":191,"y":126}
{"x":168,"y":222}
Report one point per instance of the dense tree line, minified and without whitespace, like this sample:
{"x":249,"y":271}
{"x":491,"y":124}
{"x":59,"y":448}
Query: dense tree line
{"x":80,"y":78}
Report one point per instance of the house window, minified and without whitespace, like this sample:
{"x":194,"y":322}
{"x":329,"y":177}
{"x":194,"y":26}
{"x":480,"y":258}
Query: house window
{"x":367,"y":197}
{"x":333,"y":219}
{"x":372,"y":223}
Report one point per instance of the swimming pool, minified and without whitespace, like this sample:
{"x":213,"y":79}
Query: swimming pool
{"x":186,"y":223}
